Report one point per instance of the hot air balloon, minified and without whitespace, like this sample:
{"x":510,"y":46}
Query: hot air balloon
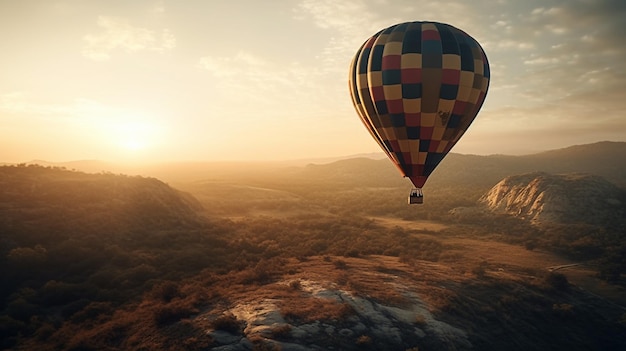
{"x":417,"y":87}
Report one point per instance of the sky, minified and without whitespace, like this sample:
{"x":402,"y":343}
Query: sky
{"x":249,"y":80}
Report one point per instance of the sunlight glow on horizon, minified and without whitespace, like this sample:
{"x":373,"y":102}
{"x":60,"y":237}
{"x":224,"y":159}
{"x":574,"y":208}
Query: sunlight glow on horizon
{"x":133,"y":136}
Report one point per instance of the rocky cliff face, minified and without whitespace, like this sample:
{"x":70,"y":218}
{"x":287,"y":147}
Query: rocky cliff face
{"x":563,"y":198}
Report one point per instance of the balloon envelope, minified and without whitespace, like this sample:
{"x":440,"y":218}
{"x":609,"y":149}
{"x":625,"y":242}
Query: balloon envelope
{"x":417,"y":87}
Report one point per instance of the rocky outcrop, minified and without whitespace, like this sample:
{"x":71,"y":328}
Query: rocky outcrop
{"x":397,"y":327}
{"x":558,"y":198}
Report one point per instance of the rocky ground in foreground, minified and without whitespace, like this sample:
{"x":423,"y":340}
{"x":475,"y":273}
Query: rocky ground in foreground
{"x":380,"y":303}
{"x":310,"y":311}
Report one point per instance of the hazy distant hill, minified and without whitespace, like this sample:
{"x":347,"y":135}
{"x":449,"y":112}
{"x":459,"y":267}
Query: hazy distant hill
{"x":603,"y":159}
{"x":357,"y":172}
{"x":457,"y":170}
{"x":564,"y":198}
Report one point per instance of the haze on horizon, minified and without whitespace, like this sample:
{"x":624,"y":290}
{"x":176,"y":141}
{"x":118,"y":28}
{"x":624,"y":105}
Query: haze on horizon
{"x":157,"y":80}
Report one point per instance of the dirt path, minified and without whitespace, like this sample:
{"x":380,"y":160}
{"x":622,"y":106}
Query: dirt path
{"x":564,"y":266}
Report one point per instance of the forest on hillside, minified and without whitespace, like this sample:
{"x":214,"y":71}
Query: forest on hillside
{"x":82,"y":253}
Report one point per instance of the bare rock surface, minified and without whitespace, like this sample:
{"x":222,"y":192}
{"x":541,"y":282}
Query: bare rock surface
{"x":392,"y":326}
{"x":557,"y":198}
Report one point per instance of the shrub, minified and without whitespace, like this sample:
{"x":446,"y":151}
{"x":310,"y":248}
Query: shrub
{"x":9,"y":329}
{"x":264,"y":345}
{"x":352,"y":253}
{"x":340,"y":264}
{"x":556,"y":281}
{"x":480,"y":270}
{"x":313,"y":309}
{"x":92,"y":311}
{"x":563,"y":309}
{"x":229,"y":323}
{"x":264,"y":271}
{"x":166,"y":291}
{"x":169,"y":314}
{"x":420,"y":320}
{"x":45,"y":331}
{"x":295,"y":285}
{"x":364,"y":340}
{"x":530,"y":245}
{"x":610,"y":271}
{"x":73,"y":307}
{"x":21,"y":309}
{"x":26,"y":257}
{"x":281,"y":331}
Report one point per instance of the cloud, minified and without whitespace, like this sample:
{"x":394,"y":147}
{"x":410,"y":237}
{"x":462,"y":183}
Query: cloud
{"x":308,"y":85}
{"x":18,"y":103}
{"x":599,"y":111}
{"x":74,"y":112}
{"x":159,"y":8}
{"x":577,"y":50}
{"x":509,"y":44}
{"x":599,"y":19}
{"x":346,"y":17}
{"x":348,"y":24}
{"x":542,"y":11}
{"x":564,"y":89}
{"x":118,"y":33}
{"x":243,"y":64}
{"x":576,"y":119}
{"x":263,"y":84}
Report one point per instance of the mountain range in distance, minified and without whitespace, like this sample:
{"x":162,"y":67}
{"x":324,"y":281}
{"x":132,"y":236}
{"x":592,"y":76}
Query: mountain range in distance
{"x":602,"y":158}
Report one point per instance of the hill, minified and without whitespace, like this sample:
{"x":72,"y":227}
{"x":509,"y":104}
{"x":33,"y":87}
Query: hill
{"x":458,"y":170}
{"x":29,"y":191}
{"x":559,"y":198}
{"x":70,"y":240}
{"x":602,"y":158}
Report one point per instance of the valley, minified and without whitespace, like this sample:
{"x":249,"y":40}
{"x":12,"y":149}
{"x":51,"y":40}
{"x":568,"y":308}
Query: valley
{"x":305,"y":258}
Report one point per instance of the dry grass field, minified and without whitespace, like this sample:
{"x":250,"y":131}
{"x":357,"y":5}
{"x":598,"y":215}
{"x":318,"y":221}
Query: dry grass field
{"x":503,"y":258}
{"x":421,"y":225}
{"x":241,"y":202}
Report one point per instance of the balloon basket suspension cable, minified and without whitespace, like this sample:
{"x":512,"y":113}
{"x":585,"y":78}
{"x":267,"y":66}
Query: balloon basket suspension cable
{"x":416,"y":196}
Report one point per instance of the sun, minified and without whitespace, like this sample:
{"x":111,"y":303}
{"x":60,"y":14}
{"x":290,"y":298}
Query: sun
{"x":135,"y":136}
{"x":122,"y":133}
{"x":133,"y":144}
{"x":133,"y":141}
